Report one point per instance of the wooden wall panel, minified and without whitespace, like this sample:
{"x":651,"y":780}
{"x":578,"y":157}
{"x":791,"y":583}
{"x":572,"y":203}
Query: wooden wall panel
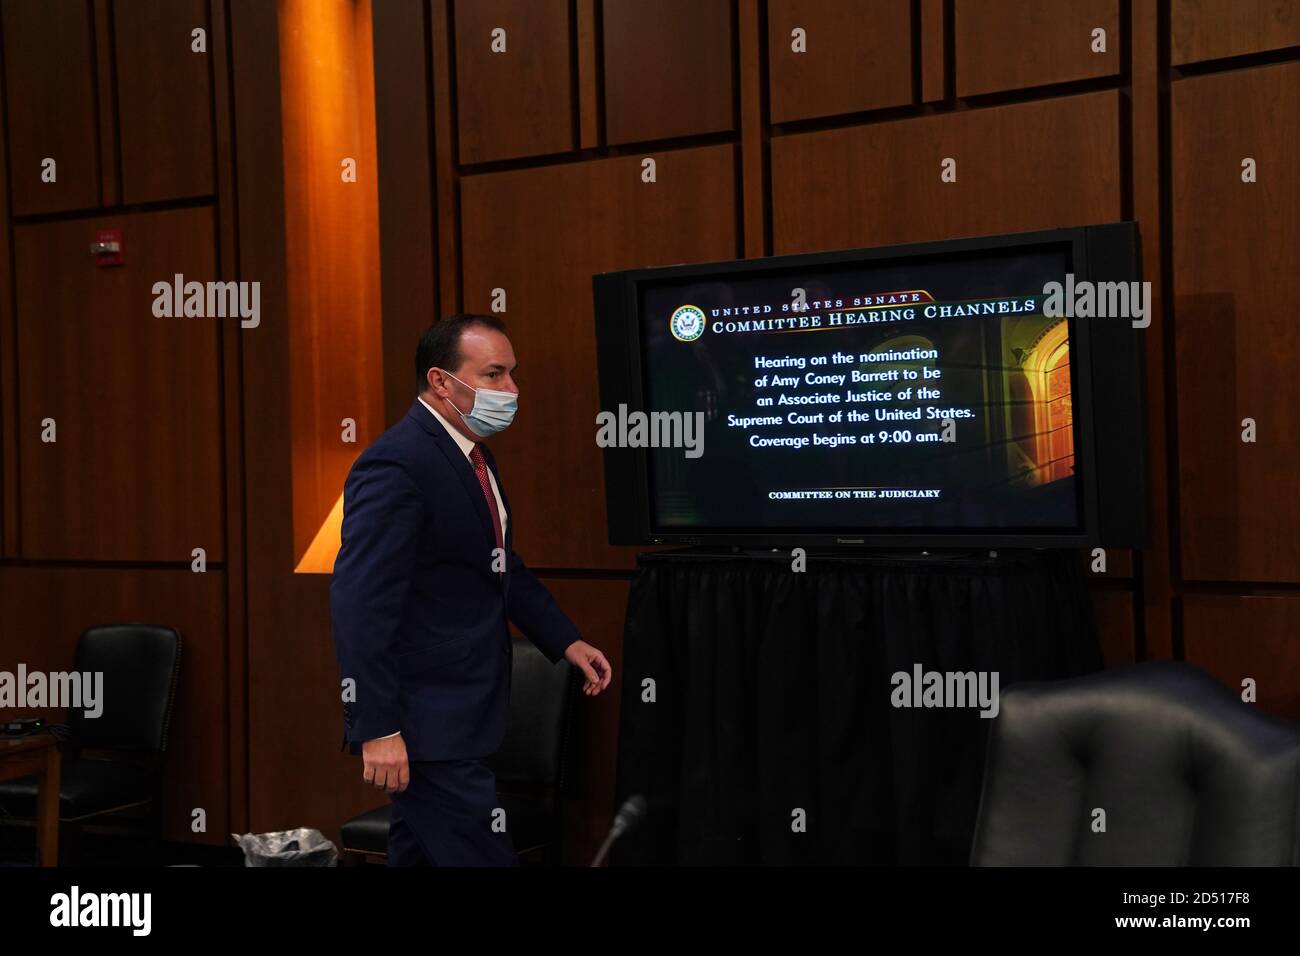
{"x":332,"y":248}
{"x":857,"y":58}
{"x":933,"y":29}
{"x":110,"y":167}
{"x":445,"y":173}
{"x":519,"y":102}
{"x":599,"y":216}
{"x":9,"y":516}
{"x":164,"y":92}
{"x":408,"y":279}
{"x":669,"y":68}
{"x":299,"y":775}
{"x":234,"y":462}
{"x":1015,"y":44}
{"x":1236,"y":637}
{"x":753,"y":131}
{"x":1148,"y":150}
{"x":1209,"y":29}
{"x":43,"y":612}
{"x":880,"y":184}
{"x":1235,"y":281}
{"x":288,"y":635}
{"x":135,"y":474}
{"x":588,"y":84}
{"x":50,"y":99}
{"x":1112,"y":611}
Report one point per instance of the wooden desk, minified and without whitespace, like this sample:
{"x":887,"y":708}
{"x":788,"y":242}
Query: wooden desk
{"x":39,"y":755}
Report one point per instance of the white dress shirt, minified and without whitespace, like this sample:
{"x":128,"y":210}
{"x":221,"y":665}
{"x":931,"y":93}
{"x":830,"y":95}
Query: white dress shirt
{"x":466,"y":445}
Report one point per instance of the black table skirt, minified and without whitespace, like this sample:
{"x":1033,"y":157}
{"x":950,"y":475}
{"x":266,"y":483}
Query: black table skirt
{"x":772,"y":695}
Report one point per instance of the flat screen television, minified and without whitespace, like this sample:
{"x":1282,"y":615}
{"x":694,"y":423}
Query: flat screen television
{"x":977,"y":392}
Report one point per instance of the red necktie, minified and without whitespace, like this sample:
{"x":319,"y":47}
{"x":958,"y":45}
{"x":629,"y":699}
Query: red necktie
{"x":480,"y":469}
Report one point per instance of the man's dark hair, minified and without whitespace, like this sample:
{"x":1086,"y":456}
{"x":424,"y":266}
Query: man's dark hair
{"x":440,"y":344}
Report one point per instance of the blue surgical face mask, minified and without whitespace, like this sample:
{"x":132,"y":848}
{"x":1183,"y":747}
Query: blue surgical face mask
{"x":492,"y":412}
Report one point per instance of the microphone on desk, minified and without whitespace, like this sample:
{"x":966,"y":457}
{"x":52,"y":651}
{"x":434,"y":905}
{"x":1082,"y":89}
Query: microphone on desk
{"x":629,"y":817}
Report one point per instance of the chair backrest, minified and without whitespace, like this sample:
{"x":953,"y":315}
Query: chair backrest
{"x":534,"y":754}
{"x":1184,"y":772}
{"x":140,"y":664}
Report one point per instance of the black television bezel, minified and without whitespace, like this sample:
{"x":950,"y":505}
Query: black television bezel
{"x":1112,"y":490}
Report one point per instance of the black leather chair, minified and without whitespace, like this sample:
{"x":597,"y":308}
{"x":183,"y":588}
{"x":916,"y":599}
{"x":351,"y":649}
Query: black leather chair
{"x":1185,"y":772}
{"x":111,"y":770}
{"x":532,"y":767}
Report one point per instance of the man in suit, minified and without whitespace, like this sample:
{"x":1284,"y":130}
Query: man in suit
{"x":423,"y":585}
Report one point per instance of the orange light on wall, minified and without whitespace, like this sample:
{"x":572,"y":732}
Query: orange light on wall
{"x":332,"y":259}
{"x":324,"y":548}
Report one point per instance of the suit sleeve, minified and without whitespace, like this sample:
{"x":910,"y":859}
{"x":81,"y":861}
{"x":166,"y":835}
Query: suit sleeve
{"x":534,"y":611}
{"x":382,"y":512}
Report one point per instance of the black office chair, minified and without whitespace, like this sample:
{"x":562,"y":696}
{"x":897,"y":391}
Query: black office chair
{"x":1185,"y":773}
{"x":111,"y":765}
{"x":532,"y":766}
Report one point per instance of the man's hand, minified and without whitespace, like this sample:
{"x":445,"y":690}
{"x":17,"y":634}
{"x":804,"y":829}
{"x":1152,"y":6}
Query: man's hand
{"x":593,"y":665}
{"x":385,"y":764}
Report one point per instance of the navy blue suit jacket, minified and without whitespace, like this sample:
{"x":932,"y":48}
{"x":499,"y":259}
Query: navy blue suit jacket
{"x":419,"y":614}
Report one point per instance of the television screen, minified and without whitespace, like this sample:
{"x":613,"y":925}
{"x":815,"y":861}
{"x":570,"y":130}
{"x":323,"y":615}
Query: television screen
{"x":842,"y":396}
{"x":831,"y":413}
